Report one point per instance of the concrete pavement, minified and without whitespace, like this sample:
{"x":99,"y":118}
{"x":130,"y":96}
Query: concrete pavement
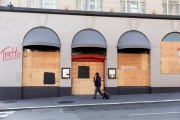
{"x":77,"y":101}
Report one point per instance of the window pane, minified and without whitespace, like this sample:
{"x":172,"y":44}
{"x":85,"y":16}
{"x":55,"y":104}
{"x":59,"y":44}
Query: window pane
{"x":123,"y":7}
{"x":92,"y":5}
{"x":99,"y":5}
{"x":32,"y":3}
{"x":164,"y":6}
{"x":142,"y":7}
{"x":53,"y":4}
{"x":173,"y":1}
{"x":46,"y":4}
{"x":39,"y":3}
{"x":173,"y":9}
{"x":132,"y":0}
{"x":78,"y":4}
{"x":164,"y":1}
{"x":134,"y":7}
{"x":172,"y":37}
{"x":29,"y":3}
{"x":128,"y":7}
{"x":86,"y":5}
{"x":42,"y":4}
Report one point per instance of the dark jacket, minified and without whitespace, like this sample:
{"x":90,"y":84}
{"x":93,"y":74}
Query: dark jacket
{"x":98,"y":81}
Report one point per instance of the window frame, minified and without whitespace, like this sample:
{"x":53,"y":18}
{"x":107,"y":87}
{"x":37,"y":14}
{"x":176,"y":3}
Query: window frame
{"x":83,"y":5}
{"x":138,"y":6}
{"x":36,"y":2}
{"x":167,"y":7}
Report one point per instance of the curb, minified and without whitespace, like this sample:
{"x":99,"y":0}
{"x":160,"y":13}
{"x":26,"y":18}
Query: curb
{"x":84,"y":105}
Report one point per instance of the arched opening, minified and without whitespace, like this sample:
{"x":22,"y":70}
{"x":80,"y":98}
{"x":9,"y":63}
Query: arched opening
{"x":133,"y":63}
{"x":41,"y":64}
{"x":170,"y":54}
{"x":88,"y":57}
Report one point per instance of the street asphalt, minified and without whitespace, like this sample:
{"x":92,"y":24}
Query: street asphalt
{"x":151,"y":111}
{"x":79,"y":101}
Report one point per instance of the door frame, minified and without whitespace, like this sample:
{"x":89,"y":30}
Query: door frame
{"x":90,"y":58}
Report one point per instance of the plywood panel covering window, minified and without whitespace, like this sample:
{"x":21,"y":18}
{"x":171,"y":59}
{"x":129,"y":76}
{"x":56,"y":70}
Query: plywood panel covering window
{"x":170,"y":57}
{"x":35,"y":64}
{"x":82,"y":86}
{"x":133,"y":69}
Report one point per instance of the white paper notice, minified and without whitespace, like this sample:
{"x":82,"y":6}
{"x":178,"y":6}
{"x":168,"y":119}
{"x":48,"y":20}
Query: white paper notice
{"x":112,"y":72}
{"x":66,"y":73}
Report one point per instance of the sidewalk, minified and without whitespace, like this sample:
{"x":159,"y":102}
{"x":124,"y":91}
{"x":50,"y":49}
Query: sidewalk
{"x":78,"y":101}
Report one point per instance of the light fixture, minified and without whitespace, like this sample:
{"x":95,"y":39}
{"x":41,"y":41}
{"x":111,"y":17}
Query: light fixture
{"x":154,"y":11}
{"x":111,"y":9}
{"x":66,"y":7}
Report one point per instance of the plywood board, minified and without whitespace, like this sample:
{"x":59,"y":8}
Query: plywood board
{"x":133,"y":69}
{"x":169,"y":57}
{"x":121,"y":77}
{"x":36,"y":63}
{"x":82,"y":86}
{"x":145,"y":61}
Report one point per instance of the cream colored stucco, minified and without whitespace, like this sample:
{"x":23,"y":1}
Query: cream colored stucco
{"x":107,"y":5}
{"x":14,"y":26}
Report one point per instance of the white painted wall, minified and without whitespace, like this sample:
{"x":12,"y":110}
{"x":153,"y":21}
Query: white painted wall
{"x":14,"y":26}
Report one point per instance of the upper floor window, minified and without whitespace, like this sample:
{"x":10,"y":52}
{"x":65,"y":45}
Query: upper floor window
{"x":133,"y":6}
{"x":170,"y":7}
{"x":47,"y":4}
{"x":89,"y":5}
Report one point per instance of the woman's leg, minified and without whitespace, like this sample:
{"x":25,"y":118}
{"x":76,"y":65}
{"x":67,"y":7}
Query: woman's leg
{"x":100,"y":92}
{"x":95,"y":91}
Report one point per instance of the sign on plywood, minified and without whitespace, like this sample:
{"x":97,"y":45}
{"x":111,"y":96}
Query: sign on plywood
{"x":128,"y":68}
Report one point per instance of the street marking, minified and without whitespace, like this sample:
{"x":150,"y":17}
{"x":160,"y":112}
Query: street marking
{"x":154,"y":114}
{"x":5,"y":114}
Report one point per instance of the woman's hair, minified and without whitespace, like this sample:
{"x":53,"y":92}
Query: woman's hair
{"x":97,"y":73}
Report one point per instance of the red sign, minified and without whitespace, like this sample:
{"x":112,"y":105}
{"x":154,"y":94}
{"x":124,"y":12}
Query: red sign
{"x":10,"y":53}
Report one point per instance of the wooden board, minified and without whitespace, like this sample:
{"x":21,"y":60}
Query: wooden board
{"x":36,"y":63}
{"x":169,"y":57}
{"x":86,"y":86}
{"x":133,"y":70}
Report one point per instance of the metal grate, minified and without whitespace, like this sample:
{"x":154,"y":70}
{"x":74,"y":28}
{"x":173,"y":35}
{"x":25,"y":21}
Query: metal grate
{"x":9,"y":102}
{"x":65,"y":102}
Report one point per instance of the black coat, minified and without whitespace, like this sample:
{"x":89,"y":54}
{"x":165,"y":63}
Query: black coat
{"x":98,"y":81}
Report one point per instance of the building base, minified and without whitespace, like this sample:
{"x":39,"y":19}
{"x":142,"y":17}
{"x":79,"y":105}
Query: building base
{"x":126,"y":90}
{"x":65,"y":91}
{"x":17,"y":93}
{"x":165,"y":89}
{"x":10,"y":93}
{"x":112,"y":90}
{"x":39,"y":92}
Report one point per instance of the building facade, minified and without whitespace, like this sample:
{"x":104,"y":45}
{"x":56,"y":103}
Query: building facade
{"x":55,"y":52}
{"x":166,"y":7}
